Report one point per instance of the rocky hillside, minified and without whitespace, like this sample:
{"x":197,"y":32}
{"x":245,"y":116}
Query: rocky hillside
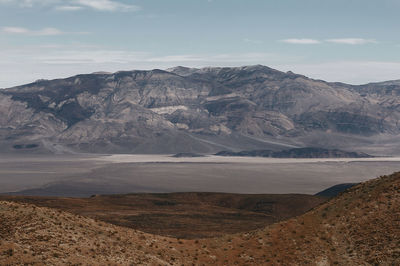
{"x":359,"y":227}
{"x":197,"y":110}
{"x":32,"y":235}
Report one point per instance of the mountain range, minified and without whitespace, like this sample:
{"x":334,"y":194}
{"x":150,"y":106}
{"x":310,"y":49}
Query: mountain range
{"x":203,"y":110}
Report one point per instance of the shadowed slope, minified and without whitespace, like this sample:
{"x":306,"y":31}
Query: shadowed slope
{"x":184,"y":215}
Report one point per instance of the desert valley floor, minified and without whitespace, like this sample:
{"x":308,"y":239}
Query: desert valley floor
{"x":84,"y":175}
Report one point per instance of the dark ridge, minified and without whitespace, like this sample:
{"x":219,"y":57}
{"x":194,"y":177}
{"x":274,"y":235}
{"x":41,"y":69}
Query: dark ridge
{"x":186,"y":154}
{"x":73,"y":190}
{"x":335,"y":190}
{"x":308,"y":152}
{"x":254,"y":153}
{"x":25,"y":146}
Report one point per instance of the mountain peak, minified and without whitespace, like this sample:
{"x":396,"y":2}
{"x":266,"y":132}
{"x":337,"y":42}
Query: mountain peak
{"x":181,"y":70}
{"x":186,"y":71}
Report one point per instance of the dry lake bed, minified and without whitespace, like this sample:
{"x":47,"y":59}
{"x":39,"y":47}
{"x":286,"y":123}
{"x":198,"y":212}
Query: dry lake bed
{"x":85,"y":174}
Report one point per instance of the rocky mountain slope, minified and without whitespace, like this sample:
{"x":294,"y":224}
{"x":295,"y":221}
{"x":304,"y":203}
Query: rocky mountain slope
{"x":359,"y":227}
{"x":197,"y":110}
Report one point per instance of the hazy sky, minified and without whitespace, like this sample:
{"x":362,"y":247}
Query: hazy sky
{"x":354,"y":41}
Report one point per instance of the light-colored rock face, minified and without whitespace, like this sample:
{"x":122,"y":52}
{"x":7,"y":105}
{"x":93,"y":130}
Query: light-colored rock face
{"x":168,"y":109}
{"x":127,"y":109}
{"x":24,"y":123}
{"x":13,"y":113}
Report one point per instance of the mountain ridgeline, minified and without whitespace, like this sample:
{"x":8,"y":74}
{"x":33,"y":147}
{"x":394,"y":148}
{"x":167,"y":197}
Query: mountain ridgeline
{"x":184,"y":110}
{"x":308,"y":152}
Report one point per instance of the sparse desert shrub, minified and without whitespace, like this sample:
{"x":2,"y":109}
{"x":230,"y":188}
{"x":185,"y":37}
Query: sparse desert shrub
{"x":9,"y":252}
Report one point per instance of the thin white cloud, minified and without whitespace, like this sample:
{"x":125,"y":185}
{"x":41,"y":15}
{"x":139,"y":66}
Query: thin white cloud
{"x":41,"y":32}
{"x":24,"y":31}
{"x":301,"y":41}
{"x":74,"y":5}
{"x":15,"y":30}
{"x":29,"y":3}
{"x":106,"y":5}
{"x":68,"y":8}
{"x":252,"y":41}
{"x":47,"y":32}
{"x":352,"y":41}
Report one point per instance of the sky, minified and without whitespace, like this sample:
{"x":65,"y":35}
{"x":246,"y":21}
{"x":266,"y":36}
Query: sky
{"x":352,"y":41}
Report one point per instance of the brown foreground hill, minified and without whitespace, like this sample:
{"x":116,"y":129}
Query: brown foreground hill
{"x":359,"y":227}
{"x":184,"y":215}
